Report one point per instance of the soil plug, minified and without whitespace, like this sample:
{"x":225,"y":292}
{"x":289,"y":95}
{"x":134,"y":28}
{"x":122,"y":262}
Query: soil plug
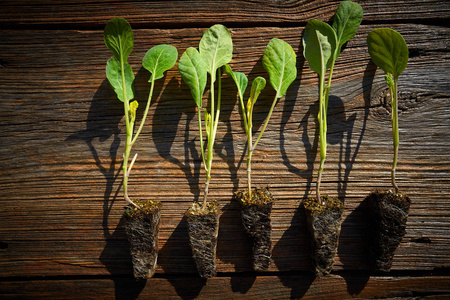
{"x":255,"y":214}
{"x":279,"y":60}
{"x":142,"y":229}
{"x":216,"y":50}
{"x":322,"y":45}
{"x":388,"y":210}
{"x":142,"y":217}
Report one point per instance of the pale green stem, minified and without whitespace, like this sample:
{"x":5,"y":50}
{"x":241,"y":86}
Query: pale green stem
{"x":212,"y":134}
{"x":322,"y":118}
{"x":129,"y":129}
{"x":395,"y":131}
{"x":248,"y":131}
{"x":201,"y":136}
{"x":265,"y":122}
{"x":249,"y":167}
{"x":149,"y":100}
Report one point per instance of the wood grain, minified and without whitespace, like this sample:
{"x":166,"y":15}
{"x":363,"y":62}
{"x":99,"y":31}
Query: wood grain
{"x":235,"y":287}
{"x":157,"y":14}
{"x":62,"y":135}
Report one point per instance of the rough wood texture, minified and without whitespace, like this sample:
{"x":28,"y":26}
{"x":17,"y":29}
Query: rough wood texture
{"x":62,"y":136}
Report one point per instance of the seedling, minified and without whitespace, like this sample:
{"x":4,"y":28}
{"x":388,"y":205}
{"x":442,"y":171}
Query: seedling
{"x":388,"y":210}
{"x":279,"y":60}
{"x":322,"y":45}
{"x":389,"y":52}
{"x":119,"y":39}
{"x":216,"y":50}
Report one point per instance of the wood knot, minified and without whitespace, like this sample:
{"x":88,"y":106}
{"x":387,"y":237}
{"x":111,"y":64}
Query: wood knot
{"x":406,"y":101}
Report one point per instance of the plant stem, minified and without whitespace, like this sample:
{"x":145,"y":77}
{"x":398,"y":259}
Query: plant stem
{"x":251,"y":147}
{"x":248,"y":131}
{"x":201,"y":136}
{"x":249,"y":159}
{"x":322,"y":118}
{"x":129,"y":130}
{"x":395,"y":133}
{"x":265,"y":122}
{"x":215,"y":113}
{"x":145,"y":113}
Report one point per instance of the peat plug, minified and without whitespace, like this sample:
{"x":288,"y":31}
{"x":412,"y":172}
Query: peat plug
{"x":322,"y":45}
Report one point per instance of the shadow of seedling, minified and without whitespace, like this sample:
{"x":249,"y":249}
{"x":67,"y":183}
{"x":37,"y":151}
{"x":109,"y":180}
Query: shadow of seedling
{"x":176,"y":257}
{"x":170,"y":109}
{"x":102,"y":124}
{"x":171,"y":112}
{"x":353,"y":239}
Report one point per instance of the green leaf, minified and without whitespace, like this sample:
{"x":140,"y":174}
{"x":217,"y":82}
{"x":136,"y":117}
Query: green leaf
{"x":319,"y":46}
{"x":388,"y":50}
{"x":113,"y":73}
{"x":346,"y":22}
{"x":216,"y":48}
{"x":193,"y":71}
{"x":279,"y":60}
{"x":389,"y":81}
{"x":159,"y":59}
{"x":239,"y":78}
{"x":118,"y":38}
{"x":258,"y":84}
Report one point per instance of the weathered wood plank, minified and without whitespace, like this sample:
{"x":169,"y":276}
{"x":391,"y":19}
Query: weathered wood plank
{"x":62,"y":136}
{"x":158,"y":14}
{"x":235,"y":287}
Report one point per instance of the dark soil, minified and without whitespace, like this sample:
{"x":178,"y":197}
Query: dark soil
{"x":203,"y":229}
{"x":387,"y":226}
{"x":324,"y":225}
{"x":142,"y":230}
{"x":255,"y":215}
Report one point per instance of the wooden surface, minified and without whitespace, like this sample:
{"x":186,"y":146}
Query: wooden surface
{"x":62,"y":137}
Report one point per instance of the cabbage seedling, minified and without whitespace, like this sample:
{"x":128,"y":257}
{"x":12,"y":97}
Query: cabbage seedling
{"x":118,"y":37}
{"x":322,"y":45}
{"x":389,"y":52}
{"x":216,"y":50}
{"x":279,"y":60}
{"x":388,"y":210}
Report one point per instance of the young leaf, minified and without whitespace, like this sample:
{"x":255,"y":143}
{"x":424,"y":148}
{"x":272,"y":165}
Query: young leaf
{"x":114,"y":75}
{"x":133,"y":108}
{"x":388,"y":50}
{"x":216,"y":48}
{"x":207,"y":123}
{"x":239,"y":78}
{"x":279,"y":60}
{"x":346,"y":22}
{"x":259,"y":83}
{"x":118,"y":38}
{"x":159,"y":59}
{"x":319,"y":45}
{"x":193,"y":71}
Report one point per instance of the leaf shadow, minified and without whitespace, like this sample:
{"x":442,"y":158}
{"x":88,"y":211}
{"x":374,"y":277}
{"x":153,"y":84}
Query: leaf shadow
{"x":290,"y":252}
{"x":353,"y":238}
{"x":102,"y":124}
{"x":166,"y":121}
